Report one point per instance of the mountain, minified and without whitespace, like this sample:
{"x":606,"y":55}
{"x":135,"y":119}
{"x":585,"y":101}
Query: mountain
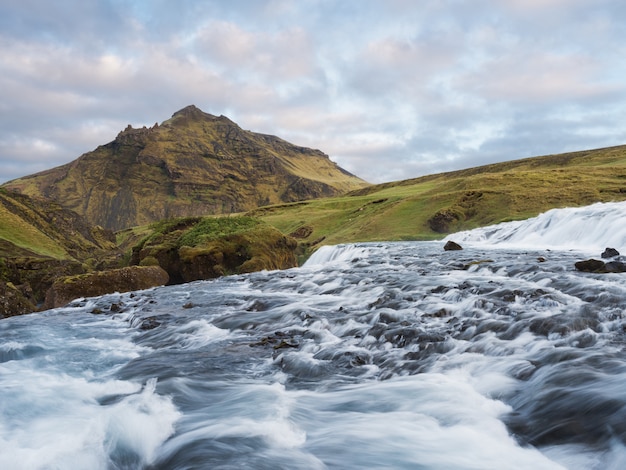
{"x":190,"y":165}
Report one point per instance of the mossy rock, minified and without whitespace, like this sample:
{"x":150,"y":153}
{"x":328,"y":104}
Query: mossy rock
{"x":191,"y":249}
{"x":95,"y":284}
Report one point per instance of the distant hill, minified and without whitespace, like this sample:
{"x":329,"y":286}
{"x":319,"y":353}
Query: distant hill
{"x":432,"y":206}
{"x":192,"y":164}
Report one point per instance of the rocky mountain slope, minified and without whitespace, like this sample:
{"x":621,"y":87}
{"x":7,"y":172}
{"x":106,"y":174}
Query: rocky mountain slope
{"x":50,"y":255}
{"x":40,"y":241}
{"x":190,"y":165}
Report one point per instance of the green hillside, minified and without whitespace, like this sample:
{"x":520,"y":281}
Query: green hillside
{"x":40,"y":241}
{"x":429,"y":207}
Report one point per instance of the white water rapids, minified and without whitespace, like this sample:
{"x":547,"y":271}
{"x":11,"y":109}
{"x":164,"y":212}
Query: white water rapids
{"x":590,"y":228}
{"x":374,"y":355}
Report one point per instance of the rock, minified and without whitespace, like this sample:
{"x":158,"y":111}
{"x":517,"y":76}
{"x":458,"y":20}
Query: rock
{"x":590,"y":266}
{"x":443,"y":220}
{"x":477,"y":262}
{"x":13,"y":302}
{"x":149,"y":323}
{"x":615,"y":267}
{"x":254,"y":246}
{"x":68,"y":288}
{"x":451,"y":246}
{"x":610,"y":253}
{"x":597,"y":266}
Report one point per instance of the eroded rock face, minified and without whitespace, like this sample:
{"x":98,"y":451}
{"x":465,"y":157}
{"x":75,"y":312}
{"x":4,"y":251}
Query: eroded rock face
{"x":127,"y":279}
{"x":12,"y":301}
{"x":443,"y":220}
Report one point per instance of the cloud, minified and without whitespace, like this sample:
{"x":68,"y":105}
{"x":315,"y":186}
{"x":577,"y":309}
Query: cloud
{"x":539,"y":77}
{"x":390,"y":90}
{"x":287,"y":54}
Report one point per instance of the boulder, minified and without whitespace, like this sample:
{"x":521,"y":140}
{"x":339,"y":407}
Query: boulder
{"x":597,"y":266}
{"x":451,"y":246}
{"x":615,"y":267}
{"x":225,"y":246}
{"x":590,"y":266}
{"x":127,"y":279}
{"x":610,"y":253}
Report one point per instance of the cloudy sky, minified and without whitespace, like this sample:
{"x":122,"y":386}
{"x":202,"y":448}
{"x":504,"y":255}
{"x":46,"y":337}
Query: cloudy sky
{"x":390,"y":89}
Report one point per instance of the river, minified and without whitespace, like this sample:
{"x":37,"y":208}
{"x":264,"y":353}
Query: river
{"x":374,"y":355}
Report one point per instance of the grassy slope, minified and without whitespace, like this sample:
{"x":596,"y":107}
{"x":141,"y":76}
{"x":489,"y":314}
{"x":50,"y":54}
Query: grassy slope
{"x":17,"y":231}
{"x":475,"y":197}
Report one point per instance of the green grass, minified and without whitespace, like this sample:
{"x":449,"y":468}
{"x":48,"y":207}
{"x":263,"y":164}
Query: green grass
{"x":471,"y":198}
{"x":212,"y":228}
{"x":16,"y":230}
{"x":187,"y":231}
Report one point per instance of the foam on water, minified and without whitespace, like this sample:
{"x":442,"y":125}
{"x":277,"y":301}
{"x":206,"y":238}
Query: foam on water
{"x":336,"y":254}
{"x":60,"y":406}
{"x":409,"y":423}
{"x":52,"y":421}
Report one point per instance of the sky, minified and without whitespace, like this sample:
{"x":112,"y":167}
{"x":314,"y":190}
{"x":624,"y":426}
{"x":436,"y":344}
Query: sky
{"x":389,"y":89}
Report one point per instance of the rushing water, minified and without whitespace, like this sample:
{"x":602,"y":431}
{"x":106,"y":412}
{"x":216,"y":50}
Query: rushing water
{"x":384,"y":355}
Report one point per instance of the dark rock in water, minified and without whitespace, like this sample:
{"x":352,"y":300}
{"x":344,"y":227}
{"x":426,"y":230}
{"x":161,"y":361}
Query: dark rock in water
{"x":610,"y":253}
{"x":451,"y":246}
{"x":95,"y":284}
{"x":149,"y":323}
{"x":597,"y":266}
{"x":590,"y":266}
{"x":615,"y":267}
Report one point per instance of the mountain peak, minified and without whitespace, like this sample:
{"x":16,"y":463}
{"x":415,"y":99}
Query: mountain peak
{"x":192,"y":111}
